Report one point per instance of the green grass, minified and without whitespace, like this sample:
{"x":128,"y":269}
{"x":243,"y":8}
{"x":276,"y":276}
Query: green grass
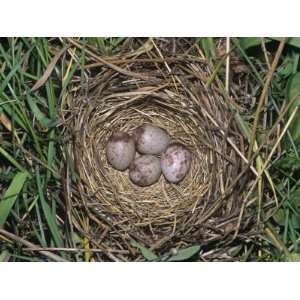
{"x":31,"y":142}
{"x":281,"y":242}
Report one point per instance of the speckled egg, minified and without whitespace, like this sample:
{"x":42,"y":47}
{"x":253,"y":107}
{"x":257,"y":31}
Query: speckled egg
{"x":175,"y":162}
{"x":145,"y":170}
{"x":151,"y":139}
{"x":120,"y":150}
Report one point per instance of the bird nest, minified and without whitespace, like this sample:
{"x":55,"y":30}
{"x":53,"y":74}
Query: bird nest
{"x":174,"y":93}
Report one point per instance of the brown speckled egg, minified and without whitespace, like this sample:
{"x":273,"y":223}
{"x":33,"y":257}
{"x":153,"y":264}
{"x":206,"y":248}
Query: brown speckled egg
{"x":145,"y":170}
{"x":151,"y":139}
{"x":175,"y":162}
{"x":120,"y":150}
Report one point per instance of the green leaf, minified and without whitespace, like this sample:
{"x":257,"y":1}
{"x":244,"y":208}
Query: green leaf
{"x":243,"y":126}
{"x":295,"y":221}
{"x":249,"y":42}
{"x":185,"y":254}
{"x":208,"y":46}
{"x":148,"y":254}
{"x":286,"y":69}
{"x":279,"y":217}
{"x":3,"y":255}
{"x":293,"y":41}
{"x":98,"y":42}
{"x":295,"y":257}
{"x":11,"y":74}
{"x":289,"y":163}
{"x":41,"y":117}
{"x":11,"y":195}
{"x":293,"y":90}
{"x":77,"y":239}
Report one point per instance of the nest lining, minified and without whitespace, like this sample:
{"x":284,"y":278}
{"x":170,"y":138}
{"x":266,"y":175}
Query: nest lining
{"x":201,"y":208}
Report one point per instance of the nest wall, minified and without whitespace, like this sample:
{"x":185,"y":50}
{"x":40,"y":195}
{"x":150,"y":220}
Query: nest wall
{"x":172,"y":93}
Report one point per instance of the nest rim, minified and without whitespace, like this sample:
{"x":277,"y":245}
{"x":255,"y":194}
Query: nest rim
{"x":168,"y":101}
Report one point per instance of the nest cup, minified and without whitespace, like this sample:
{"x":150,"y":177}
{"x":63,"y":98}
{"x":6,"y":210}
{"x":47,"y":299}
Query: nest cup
{"x":203,"y":208}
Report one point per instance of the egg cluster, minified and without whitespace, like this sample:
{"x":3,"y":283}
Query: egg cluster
{"x":147,"y":153}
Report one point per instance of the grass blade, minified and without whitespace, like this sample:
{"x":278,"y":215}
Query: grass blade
{"x":248,"y":42}
{"x":185,"y":254}
{"x":7,"y":156}
{"x":50,"y":218}
{"x":49,"y":70}
{"x":4,"y":255}
{"x":11,"y":196}
{"x":148,"y":254}
{"x":41,"y":117}
{"x":208,"y":46}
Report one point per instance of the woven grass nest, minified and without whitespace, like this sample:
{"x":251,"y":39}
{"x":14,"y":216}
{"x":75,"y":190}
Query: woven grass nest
{"x":170,"y":91}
